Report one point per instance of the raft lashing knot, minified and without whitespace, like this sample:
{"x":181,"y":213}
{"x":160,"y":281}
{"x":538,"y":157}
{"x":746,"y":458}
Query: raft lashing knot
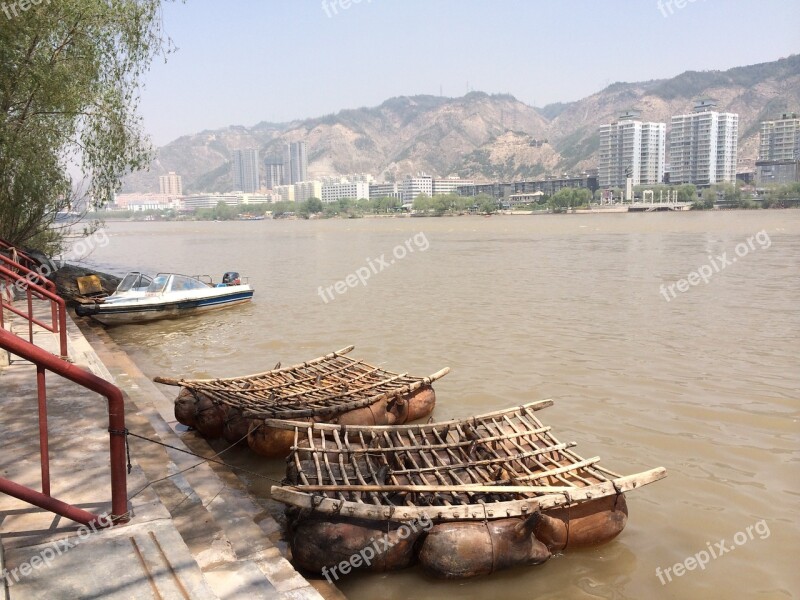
{"x":498,"y":491}
{"x":333,"y":388}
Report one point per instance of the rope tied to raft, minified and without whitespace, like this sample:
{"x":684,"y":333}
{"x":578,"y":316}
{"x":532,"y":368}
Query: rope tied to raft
{"x":205,"y":459}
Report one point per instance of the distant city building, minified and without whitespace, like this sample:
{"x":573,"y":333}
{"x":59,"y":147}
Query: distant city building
{"x":448,"y":185}
{"x":267,"y":198}
{"x":245,"y":170}
{"x":286,"y":192}
{"x":497,"y":190}
{"x":384,"y":190}
{"x":703,"y":146}
{"x":332,"y":192}
{"x":414,"y":186}
{"x":780,"y":139}
{"x":210,"y":200}
{"x":141,"y":202}
{"x":551,"y":185}
{"x":196,"y":201}
{"x":779,"y":151}
{"x":170,"y":184}
{"x":515,"y":200}
{"x":630,"y":147}
{"x":273,"y":173}
{"x":295,"y":163}
{"x":303,"y":190}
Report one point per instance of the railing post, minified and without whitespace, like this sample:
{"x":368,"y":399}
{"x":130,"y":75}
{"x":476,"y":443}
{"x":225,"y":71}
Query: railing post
{"x":30,"y":313}
{"x":62,"y":331}
{"x":44,"y":445}
{"x":118,"y":433}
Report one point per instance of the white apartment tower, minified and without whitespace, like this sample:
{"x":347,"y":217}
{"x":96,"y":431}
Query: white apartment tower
{"x":703,"y":146}
{"x":630,"y":146}
{"x":170,"y":184}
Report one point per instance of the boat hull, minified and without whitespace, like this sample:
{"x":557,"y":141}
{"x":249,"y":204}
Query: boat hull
{"x":138,"y":312}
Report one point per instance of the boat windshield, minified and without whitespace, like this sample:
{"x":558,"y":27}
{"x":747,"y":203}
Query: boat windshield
{"x":134,"y":281}
{"x":158,"y":284}
{"x":182,"y":283}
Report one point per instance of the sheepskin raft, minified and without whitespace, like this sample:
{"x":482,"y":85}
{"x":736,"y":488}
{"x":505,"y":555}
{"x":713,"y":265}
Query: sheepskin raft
{"x":496,"y":491}
{"x":334,"y":389}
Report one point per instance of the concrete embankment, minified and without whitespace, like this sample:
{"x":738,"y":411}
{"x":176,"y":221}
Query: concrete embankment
{"x":194,"y":530}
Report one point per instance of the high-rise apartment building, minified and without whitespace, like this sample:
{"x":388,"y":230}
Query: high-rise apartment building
{"x":295,"y":163}
{"x":630,"y":147}
{"x":245,"y":170}
{"x":273,"y":173}
{"x":170,"y":184}
{"x":780,"y":139}
{"x":779,"y":151}
{"x":703,"y":146}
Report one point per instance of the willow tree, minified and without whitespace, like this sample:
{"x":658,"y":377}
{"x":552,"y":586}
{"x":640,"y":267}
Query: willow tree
{"x":70,"y":73}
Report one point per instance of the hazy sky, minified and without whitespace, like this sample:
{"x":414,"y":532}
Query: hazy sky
{"x":240,"y":62}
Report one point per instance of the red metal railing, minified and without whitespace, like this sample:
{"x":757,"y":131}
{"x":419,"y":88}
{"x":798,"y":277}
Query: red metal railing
{"x":23,"y":277}
{"x":46,"y":361}
{"x":16,"y":254}
{"x":58,"y":308}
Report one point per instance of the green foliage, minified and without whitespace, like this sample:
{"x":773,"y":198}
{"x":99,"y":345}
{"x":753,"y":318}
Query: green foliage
{"x":486,"y":204}
{"x":314,"y":205}
{"x":70,"y":73}
{"x":781,"y":195}
{"x":570,"y":198}
{"x":221,"y":212}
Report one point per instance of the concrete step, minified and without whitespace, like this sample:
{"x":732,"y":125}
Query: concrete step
{"x":226,"y":530}
{"x":192,"y":535}
{"x":149,"y":560}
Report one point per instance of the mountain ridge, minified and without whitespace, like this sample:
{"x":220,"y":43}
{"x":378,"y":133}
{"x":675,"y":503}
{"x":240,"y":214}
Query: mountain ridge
{"x":480,"y":136}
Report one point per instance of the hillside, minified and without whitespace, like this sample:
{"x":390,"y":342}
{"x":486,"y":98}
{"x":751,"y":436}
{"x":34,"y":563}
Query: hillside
{"x":481,"y":136}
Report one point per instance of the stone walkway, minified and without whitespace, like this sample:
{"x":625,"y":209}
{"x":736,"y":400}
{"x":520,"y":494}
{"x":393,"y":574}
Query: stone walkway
{"x":194,"y":534}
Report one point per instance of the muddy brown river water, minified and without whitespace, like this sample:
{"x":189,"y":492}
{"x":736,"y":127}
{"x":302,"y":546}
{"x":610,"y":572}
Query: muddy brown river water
{"x":701,"y":376}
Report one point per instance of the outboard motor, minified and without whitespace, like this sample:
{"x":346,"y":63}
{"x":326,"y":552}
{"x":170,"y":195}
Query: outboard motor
{"x":231,"y":278}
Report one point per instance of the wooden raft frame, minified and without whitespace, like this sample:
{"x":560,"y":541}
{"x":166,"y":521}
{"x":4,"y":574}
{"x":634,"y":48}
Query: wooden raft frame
{"x":501,"y":464}
{"x":323,"y":387}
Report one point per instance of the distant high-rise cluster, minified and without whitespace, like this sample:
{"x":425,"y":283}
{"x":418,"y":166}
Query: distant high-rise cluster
{"x":170,"y":184}
{"x":246,"y":170}
{"x":703,"y":148}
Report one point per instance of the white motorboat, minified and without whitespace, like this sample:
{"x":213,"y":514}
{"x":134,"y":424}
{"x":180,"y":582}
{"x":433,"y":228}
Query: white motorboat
{"x":167,"y":296}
